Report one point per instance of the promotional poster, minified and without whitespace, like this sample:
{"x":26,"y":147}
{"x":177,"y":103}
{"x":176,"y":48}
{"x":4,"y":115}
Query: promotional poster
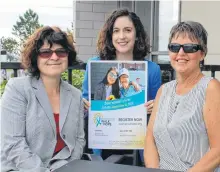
{"x":117,"y":115}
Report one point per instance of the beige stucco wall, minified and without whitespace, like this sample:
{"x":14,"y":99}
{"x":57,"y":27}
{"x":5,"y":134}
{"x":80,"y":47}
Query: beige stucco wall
{"x":207,"y":13}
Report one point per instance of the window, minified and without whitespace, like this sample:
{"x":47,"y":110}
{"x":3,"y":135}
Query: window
{"x":144,"y":10}
{"x":158,"y":17}
{"x":166,"y":15}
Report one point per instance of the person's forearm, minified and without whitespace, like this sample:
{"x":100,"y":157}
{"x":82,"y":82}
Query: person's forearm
{"x":208,"y":163}
{"x":24,"y":160}
{"x":136,"y":86}
{"x":151,"y":157}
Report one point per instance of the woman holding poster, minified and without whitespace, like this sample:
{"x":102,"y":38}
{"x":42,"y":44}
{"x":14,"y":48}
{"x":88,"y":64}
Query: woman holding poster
{"x":123,"y":38}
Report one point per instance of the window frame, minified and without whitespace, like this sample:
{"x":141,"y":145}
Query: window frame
{"x":154,"y":25}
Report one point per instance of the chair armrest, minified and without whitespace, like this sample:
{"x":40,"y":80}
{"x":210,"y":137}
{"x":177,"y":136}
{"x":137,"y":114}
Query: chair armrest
{"x":91,"y":157}
{"x":115,"y":159}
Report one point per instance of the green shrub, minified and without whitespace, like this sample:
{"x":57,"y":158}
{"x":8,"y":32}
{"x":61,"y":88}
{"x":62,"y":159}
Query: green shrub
{"x":77,"y":78}
{"x":4,"y":82}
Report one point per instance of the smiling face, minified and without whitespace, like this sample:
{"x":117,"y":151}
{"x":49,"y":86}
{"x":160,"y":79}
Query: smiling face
{"x":185,"y":62}
{"x":53,"y":65}
{"x":111,"y":77}
{"x":124,"y":80}
{"x":124,"y":34}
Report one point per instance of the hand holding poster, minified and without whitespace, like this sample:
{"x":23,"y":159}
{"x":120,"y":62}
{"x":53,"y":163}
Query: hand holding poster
{"x":117,"y":116}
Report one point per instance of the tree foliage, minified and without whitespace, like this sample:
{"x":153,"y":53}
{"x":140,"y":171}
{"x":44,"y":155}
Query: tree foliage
{"x":10,"y":45}
{"x":26,"y":25}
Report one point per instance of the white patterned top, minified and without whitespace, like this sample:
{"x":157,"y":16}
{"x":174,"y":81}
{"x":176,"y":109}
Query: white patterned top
{"x":179,"y":129}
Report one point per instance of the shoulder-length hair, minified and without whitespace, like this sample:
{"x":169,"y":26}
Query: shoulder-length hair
{"x":105,"y":47}
{"x":115,"y":86}
{"x":53,"y":35}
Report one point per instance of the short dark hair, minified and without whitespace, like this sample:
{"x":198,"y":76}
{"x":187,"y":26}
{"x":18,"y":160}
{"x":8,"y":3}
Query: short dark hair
{"x":115,"y":86}
{"x":105,"y":46}
{"x":53,"y":35}
{"x":194,"y":30}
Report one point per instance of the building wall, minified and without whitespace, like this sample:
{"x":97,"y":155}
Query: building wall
{"x":89,"y":19}
{"x":207,"y":13}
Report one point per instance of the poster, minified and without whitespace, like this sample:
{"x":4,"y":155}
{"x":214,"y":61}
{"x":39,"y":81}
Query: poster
{"x":117,"y":115}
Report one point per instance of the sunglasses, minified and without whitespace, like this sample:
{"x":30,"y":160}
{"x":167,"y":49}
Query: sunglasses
{"x":47,"y":53}
{"x":187,"y":48}
{"x":113,"y":75}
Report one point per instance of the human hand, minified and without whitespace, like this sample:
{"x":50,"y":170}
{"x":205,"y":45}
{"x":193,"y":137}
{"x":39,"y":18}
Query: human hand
{"x":111,"y":97}
{"x":149,"y":105}
{"x":136,"y":86}
{"x":86,"y":103}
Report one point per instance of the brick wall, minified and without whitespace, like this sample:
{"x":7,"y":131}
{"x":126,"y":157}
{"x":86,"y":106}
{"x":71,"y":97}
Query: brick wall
{"x":89,"y":19}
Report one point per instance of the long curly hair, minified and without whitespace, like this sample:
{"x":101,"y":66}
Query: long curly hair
{"x":105,"y":47}
{"x":29,"y":53}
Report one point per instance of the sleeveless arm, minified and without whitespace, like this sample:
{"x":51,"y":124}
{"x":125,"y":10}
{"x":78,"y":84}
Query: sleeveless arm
{"x":151,"y":157}
{"x":211,"y":112}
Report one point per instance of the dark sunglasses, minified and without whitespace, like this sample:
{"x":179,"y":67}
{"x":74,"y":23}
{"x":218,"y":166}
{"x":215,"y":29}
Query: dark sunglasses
{"x":187,"y":48}
{"x":113,"y":75}
{"x":47,"y":53}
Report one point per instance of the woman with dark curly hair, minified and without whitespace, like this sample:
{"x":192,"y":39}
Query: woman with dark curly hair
{"x":123,"y":38}
{"x":42,"y":116}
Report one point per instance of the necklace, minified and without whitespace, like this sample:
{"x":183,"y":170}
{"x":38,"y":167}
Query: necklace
{"x":176,"y":103}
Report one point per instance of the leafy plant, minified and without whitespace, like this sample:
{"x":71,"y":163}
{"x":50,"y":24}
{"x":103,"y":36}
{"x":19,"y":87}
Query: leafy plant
{"x":77,"y":78}
{"x":3,"y":84}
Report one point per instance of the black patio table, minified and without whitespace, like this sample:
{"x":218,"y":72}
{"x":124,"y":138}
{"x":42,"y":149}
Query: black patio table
{"x":98,"y":166}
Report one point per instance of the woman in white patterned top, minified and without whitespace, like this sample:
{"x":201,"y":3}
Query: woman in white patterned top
{"x":183,"y":132}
